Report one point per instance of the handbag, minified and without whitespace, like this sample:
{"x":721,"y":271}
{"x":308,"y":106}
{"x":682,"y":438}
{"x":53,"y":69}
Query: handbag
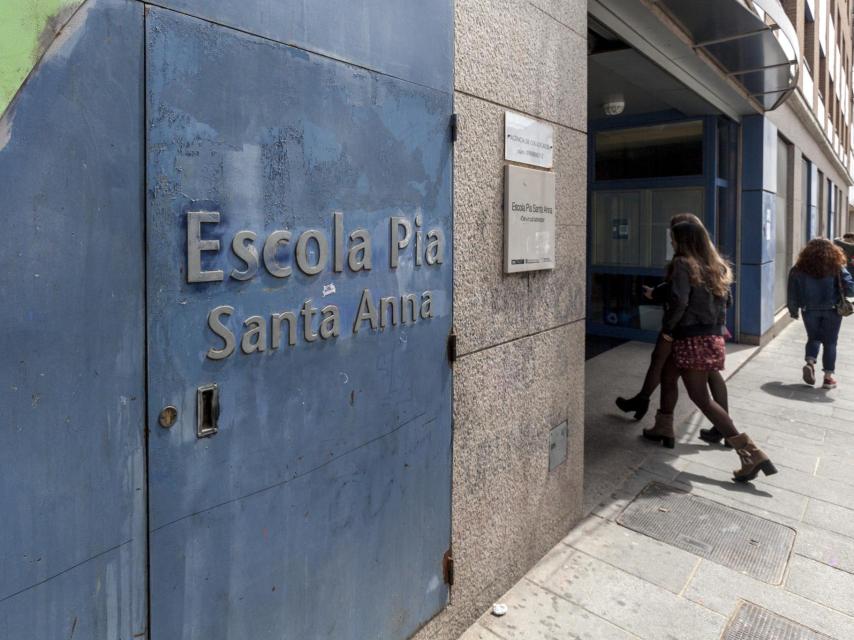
{"x":844,"y":307}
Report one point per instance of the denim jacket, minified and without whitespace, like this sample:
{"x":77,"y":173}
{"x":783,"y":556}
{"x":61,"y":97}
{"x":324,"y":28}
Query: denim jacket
{"x":816,"y":294}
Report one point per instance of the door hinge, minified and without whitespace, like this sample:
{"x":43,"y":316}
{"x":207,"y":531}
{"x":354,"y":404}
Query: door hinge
{"x":454,"y":127}
{"x":448,"y":567}
{"x":452,"y":347}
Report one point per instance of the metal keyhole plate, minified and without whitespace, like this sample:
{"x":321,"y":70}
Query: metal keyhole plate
{"x":168,"y":416}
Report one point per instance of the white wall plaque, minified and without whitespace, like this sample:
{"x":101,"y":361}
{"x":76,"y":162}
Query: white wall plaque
{"x":529,"y":219}
{"x":527,"y":140}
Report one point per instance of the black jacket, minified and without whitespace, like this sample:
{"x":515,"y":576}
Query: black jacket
{"x":661,"y":293}
{"x":693,"y":310}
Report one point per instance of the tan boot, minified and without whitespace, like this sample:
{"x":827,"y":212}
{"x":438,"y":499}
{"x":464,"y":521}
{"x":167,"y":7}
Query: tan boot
{"x":753,"y":459}
{"x":662,"y":431}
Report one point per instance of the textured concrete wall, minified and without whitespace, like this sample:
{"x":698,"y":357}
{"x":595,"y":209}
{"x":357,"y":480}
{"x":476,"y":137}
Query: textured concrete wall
{"x":520,"y":337}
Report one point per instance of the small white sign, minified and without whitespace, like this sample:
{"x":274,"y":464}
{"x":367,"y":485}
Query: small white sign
{"x":529,"y":219}
{"x":528,"y":141}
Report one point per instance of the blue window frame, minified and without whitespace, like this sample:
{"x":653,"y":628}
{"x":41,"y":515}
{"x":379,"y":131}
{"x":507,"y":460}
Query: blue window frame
{"x":626,"y":217}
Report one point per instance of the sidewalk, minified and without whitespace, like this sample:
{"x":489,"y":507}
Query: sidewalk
{"x":606,"y":581}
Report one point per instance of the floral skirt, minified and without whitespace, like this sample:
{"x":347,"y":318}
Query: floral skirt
{"x":700,"y":353}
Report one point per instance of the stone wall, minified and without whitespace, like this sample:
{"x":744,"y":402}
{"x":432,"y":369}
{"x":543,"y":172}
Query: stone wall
{"x":520,"y":369}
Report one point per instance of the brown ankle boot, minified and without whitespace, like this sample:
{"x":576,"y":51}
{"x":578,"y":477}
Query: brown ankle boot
{"x":753,"y":459}
{"x":662,"y":430}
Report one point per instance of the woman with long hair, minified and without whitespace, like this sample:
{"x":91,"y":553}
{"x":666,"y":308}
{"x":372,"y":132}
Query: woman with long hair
{"x":695,"y":323}
{"x":639,"y":404}
{"x":817,"y":285}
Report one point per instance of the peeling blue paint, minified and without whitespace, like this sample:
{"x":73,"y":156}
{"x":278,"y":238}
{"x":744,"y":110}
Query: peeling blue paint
{"x":407,"y":39}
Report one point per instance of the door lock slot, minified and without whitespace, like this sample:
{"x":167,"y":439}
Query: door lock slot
{"x":207,"y":410}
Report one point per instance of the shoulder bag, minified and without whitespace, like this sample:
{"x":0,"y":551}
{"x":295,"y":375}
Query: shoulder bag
{"x":844,"y":307}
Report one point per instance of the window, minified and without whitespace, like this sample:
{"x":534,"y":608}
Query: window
{"x":833,"y":207}
{"x":782,"y":255}
{"x":828,"y":221}
{"x":809,"y":214}
{"x":630,"y":228}
{"x":674,"y":149}
{"x":809,"y":42}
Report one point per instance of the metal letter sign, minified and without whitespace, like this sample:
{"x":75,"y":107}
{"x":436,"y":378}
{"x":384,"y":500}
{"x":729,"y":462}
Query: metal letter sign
{"x":299,"y":233}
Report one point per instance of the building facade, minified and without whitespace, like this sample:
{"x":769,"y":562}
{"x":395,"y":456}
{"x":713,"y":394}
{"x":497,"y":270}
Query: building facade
{"x":265,"y":370}
{"x":739,"y":112}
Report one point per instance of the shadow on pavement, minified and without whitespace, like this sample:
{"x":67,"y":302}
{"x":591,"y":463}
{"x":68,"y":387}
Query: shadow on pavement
{"x":796,"y":391}
{"x":729,"y":485}
{"x":614,"y":451}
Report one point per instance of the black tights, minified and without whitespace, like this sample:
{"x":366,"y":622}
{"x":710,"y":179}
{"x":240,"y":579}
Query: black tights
{"x":698,"y":384}
{"x":656,"y":375}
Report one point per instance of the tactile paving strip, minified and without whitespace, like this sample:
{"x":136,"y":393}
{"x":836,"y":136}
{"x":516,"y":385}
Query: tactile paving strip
{"x":736,"y":539}
{"x":752,"y":622}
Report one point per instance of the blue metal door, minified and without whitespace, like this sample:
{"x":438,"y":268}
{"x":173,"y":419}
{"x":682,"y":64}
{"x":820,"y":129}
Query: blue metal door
{"x":299,"y":276}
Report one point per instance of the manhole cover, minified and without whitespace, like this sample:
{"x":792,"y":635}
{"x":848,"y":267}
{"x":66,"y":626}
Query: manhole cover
{"x":752,"y":622}
{"x":733,"y":538}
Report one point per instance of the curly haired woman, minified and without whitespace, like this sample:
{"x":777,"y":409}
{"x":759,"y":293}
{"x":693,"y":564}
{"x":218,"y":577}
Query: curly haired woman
{"x":817,"y":283}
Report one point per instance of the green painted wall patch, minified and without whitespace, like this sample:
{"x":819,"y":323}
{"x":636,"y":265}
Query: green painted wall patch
{"x":27,"y":28}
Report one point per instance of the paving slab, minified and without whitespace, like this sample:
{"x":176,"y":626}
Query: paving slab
{"x":732,"y":537}
{"x":795,"y":405}
{"x":846,"y":414}
{"x":533,"y":613}
{"x":612,"y":505}
{"x":830,"y":517}
{"x":758,"y":494}
{"x":802,"y":445}
{"x":558,"y":556}
{"x":605,"y":581}
{"x":733,"y":500}
{"x":746,"y":419}
{"x":824,"y":546}
{"x":477,"y":632}
{"x":631,"y":603}
{"x":720,"y":589}
{"x":656,"y":562}
{"x":823,"y":584}
{"x":719,"y":457}
{"x":752,"y":622}
{"x":838,"y":441}
{"x":839,"y":468}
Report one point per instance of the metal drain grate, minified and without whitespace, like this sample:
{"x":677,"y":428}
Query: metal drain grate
{"x":736,"y":539}
{"x":752,"y":622}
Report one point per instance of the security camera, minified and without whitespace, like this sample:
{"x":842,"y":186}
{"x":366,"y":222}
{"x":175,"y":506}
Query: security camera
{"x":614,"y":105}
